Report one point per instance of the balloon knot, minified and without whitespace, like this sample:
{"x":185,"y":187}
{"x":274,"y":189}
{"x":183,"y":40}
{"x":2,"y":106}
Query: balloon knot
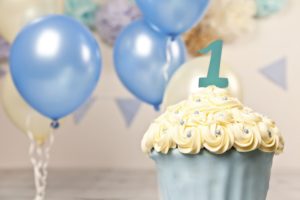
{"x":173,"y":38}
{"x":55,"y":124}
{"x":157,"y":107}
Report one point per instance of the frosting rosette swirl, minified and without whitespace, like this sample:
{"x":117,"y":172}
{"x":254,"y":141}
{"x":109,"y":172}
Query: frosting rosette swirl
{"x":213,"y":120}
{"x":188,"y":139}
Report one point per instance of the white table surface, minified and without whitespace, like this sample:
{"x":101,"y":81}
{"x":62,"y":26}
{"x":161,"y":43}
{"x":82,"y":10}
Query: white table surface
{"x":115,"y":185}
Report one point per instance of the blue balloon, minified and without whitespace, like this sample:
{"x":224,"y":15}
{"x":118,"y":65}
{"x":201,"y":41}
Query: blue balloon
{"x":172,"y":17}
{"x":145,"y":60}
{"x":55,"y":64}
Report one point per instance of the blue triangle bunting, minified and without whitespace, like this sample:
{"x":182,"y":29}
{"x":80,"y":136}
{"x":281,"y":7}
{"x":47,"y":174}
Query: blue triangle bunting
{"x":277,"y":73}
{"x":129,"y":108}
{"x":83,"y":110}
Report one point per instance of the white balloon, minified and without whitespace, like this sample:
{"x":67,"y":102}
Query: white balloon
{"x":14,"y":14}
{"x":186,"y":80}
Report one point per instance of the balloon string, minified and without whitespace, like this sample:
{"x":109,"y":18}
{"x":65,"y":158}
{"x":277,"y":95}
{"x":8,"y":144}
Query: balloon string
{"x":168,"y":60}
{"x":39,"y":157}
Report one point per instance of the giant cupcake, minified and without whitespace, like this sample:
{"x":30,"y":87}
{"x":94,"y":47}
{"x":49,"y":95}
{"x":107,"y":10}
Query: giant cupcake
{"x":211,"y":147}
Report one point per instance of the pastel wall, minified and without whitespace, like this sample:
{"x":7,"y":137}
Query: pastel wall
{"x":103,"y":138}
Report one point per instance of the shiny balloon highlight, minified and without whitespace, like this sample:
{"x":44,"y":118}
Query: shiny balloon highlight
{"x":55,"y":64}
{"x":186,"y":81}
{"x":145,"y":60}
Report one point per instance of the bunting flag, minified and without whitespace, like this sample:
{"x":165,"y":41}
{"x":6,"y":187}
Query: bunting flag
{"x":129,"y":108}
{"x":277,"y":73}
{"x":83,"y":110}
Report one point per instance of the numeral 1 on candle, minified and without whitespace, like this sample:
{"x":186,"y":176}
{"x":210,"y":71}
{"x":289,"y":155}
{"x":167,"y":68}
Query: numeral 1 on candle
{"x":213,"y":75}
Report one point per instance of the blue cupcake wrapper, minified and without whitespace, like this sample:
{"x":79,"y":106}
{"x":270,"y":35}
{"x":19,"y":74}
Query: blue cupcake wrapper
{"x":207,"y":176}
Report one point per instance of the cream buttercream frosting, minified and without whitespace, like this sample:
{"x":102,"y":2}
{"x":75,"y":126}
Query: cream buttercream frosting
{"x":214,"y":120}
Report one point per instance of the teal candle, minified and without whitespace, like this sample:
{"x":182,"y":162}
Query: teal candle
{"x":213,"y":75}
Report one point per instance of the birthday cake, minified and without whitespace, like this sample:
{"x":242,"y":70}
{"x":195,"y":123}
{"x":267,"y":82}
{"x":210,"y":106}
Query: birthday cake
{"x":211,"y":147}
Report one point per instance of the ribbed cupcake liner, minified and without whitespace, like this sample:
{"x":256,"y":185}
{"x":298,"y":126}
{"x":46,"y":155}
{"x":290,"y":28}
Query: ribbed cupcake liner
{"x":207,"y":176}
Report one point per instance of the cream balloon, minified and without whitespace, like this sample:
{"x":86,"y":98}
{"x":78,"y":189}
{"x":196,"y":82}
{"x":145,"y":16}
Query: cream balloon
{"x":185,"y":81}
{"x":14,"y":14}
{"x":21,"y":114}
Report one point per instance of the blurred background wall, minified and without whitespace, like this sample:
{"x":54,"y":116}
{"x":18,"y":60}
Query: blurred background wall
{"x":108,"y":131}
